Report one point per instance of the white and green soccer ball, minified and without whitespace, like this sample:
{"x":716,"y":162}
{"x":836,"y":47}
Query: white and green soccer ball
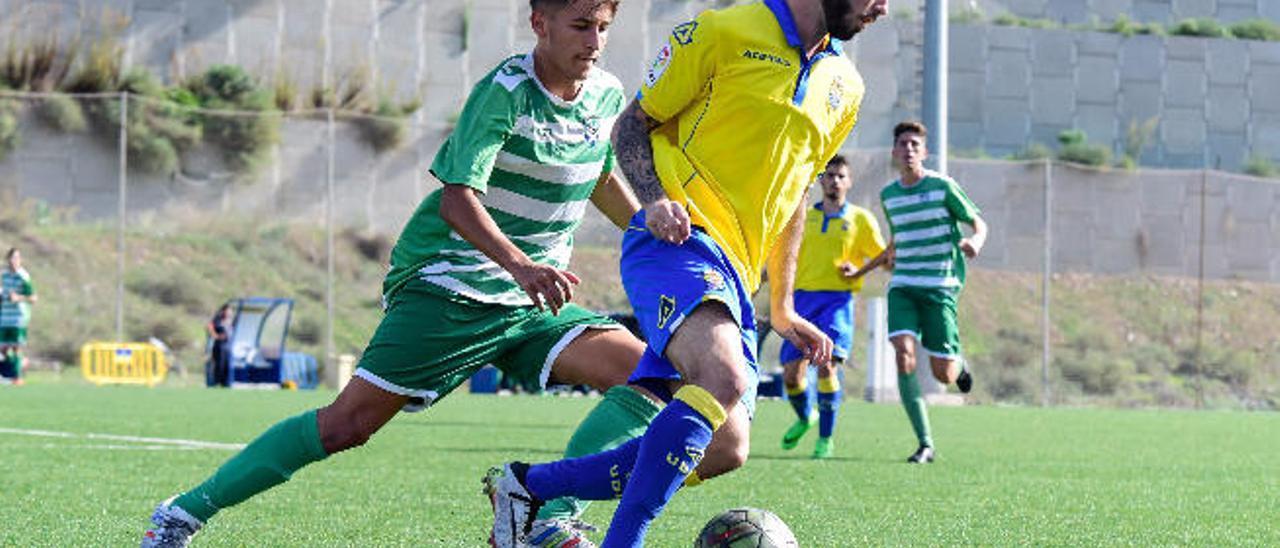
{"x":745,"y":528}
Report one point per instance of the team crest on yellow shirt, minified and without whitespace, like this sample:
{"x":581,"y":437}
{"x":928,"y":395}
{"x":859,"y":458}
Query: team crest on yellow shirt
{"x":835,"y":95}
{"x":683,"y":33}
{"x":715,"y":281}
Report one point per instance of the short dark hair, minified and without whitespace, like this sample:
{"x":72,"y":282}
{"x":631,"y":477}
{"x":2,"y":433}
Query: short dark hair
{"x":839,"y":161}
{"x":910,"y":126}
{"x":9,"y":255}
{"x":536,"y":4}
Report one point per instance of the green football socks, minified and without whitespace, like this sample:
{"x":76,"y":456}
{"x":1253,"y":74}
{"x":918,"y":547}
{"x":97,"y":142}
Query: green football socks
{"x":623,"y":414}
{"x":266,"y":462}
{"x":913,"y":402}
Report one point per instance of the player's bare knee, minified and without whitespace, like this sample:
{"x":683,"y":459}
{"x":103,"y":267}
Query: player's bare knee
{"x":791,"y":374}
{"x":727,"y":384}
{"x":904,"y":351}
{"x":341,"y":429}
{"x":723,"y":461}
{"x":906,"y":362}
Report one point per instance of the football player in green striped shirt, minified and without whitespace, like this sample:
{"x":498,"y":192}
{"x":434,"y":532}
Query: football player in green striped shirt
{"x":479,"y":274}
{"x":928,"y":251}
{"x":17,"y":294}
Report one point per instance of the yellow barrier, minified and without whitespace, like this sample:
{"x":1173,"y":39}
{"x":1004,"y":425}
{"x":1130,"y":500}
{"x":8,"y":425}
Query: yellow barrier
{"x":122,"y":363}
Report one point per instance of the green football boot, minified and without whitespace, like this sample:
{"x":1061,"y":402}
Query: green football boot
{"x":823,"y":449}
{"x":797,"y":431}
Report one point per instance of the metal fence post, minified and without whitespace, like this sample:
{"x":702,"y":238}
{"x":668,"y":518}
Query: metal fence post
{"x":121,"y":206}
{"x":1047,"y":282}
{"x":328,"y":244}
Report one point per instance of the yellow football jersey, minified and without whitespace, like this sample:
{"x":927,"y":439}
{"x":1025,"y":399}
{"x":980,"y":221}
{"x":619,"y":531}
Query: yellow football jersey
{"x":747,"y":123}
{"x":852,"y":235}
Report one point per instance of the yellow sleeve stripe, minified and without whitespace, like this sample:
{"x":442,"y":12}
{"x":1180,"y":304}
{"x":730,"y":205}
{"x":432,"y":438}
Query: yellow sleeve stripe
{"x":704,"y":403}
{"x":828,"y":385}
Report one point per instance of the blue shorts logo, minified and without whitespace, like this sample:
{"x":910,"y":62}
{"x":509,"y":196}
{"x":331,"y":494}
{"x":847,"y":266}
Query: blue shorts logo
{"x":666,"y":307}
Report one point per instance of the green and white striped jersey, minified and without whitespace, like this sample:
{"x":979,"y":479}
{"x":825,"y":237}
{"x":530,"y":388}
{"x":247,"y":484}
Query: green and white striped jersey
{"x":15,"y":314}
{"x":535,"y":159}
{"x":925,"y":221}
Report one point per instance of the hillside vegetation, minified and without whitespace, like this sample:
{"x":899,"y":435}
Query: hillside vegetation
{"x":1128,"y":341}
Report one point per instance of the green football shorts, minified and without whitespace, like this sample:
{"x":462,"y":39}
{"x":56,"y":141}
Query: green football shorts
{"x":13,"y":335}
{"x":428,"y":343}
{"x":928,"y":314}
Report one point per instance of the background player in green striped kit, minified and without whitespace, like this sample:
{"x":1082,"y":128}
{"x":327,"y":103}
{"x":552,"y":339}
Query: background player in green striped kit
{"x":17,"y":294}
{"x":928,"y":251}
{"x":479,"y":273}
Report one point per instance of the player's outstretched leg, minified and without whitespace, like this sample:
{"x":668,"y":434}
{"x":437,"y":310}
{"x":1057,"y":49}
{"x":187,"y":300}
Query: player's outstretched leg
{"x":708,"y":351}
{"x":603,"y":359}
{"x":599,"y":476}
{"x":271,"y":459}
{"x":622,"y":415}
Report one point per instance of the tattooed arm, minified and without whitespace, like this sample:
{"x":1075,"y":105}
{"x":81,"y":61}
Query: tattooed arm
{"x":665,"y":219}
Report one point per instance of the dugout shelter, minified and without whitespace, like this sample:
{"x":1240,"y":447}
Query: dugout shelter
{"x":256,"y":355}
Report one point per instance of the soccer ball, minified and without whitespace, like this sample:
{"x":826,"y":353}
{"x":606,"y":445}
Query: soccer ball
{"x":743,"y":528}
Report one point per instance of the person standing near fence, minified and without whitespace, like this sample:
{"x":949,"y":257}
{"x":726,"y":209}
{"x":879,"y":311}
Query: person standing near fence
{"x":924,"y":210}
{"x":219,"y":332}
{"x":839,"y":238}
{"x":17,"y":294}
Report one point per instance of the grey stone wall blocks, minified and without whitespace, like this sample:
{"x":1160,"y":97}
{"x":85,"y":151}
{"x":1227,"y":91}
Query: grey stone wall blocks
{"x":1067,"y":10}
{"x":1008,"y":73}
{"x":1097,"y":79}
{"x":1053,"y":53}
{"x":965,"y":98}
{"x":1007,"y":121}
{"x":1099,"y":122}
{"x":968,"y":48}
{"x":1108,"y":10}
{"x":1186,"y":48}
{"x":1142,"y":59}
{"x":1194,"y":8}
{"x":1185,"y":84}
{"x":1052,"y":100}
{"x":1264,"y":88}
{"x":1153,"y":11}
{"x":1216,"y":102}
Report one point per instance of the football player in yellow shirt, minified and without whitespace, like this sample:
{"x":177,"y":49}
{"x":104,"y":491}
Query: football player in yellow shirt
{"x":739,"y":111}
{"x":839,"y":238}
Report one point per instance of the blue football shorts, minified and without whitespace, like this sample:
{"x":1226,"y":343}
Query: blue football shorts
{"x":833,"y":313}
{"x":665,"y":282}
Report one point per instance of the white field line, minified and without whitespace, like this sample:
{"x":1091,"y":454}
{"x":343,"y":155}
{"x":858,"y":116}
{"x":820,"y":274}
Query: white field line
{"x":148,"y":443}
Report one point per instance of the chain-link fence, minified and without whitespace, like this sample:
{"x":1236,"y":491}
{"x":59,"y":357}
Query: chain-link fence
{"x":138,"y":217}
